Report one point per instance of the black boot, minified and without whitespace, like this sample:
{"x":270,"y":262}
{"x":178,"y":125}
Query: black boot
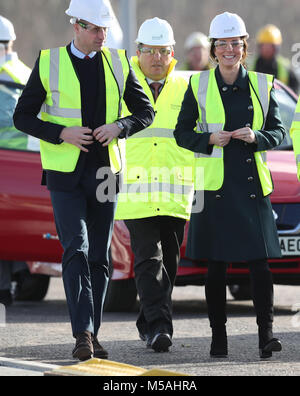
{"x":215,"y":292}
{"x":267,"y":344}
{"x":219,"y":347}
{"x":262,"y":291}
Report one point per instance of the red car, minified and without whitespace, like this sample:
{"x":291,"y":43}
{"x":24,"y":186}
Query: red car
{"x":27,"y":230}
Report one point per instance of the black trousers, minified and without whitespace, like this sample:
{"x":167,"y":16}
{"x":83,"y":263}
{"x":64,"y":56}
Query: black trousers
{"x":84,"y":226}
{"x":155,"y":242}
{"x":261,"y":287}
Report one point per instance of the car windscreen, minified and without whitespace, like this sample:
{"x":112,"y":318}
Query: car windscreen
{"x":10,"y":137}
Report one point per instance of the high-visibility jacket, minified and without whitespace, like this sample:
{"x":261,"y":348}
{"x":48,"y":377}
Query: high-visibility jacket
{"x":16,"y":70}
{"x":158,"y":180}
{"x":63,"y":104}
{"x":212,"y":119}
{"x":295,"y":135}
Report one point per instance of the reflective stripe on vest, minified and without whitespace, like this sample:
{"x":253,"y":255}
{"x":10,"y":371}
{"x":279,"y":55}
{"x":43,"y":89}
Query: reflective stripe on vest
{"x":16,"y":70}
{"x":206,"y":91}
{"x":63,"y":103}
{"x":157,"y":187}
{"x":154,"y":132}
{"x":159,"y":175}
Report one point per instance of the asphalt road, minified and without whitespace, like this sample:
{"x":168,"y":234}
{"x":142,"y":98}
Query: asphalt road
{"x":41,"y":332}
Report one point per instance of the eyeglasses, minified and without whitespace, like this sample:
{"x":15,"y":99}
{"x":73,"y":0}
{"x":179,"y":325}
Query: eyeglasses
{"x":90,"y":28}
{"x":151,"y":51}
{"x":222,"y":45}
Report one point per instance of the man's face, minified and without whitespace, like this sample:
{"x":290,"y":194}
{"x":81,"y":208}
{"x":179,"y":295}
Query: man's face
{"x":198,"y":57}
{"x":89,"y":37}
{"x":155,"y":61}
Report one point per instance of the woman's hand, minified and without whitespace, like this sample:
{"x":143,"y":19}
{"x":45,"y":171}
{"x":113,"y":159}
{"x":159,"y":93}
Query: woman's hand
{"x":246,"y":134}
{"x":221,"y":138}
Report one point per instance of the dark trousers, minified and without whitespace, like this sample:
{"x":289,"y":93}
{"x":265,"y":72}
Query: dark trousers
{"x":84,"y":226}
{"x":155,"y":242}
{"x":261,"y":287}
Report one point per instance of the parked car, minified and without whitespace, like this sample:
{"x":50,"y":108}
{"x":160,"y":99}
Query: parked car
{"x":27,"y":230}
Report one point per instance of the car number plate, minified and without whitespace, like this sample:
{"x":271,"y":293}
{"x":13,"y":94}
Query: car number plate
{"x":290,"y":245}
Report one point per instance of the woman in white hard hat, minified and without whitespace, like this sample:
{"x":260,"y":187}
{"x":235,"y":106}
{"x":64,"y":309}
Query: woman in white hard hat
{"x":238,"y":119}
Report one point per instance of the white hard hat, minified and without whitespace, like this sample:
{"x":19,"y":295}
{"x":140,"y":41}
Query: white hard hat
{"x":97,"y":12}
{"x":155,"y":31}
{"x":196,"y":39}
{"x":227,"y":25}
{"x":7,"y":31}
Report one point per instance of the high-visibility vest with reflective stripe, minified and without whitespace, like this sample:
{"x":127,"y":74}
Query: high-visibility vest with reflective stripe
{"x":63,"y":104}
{"x":17,"y":71}
{"x":295,"y":135}
{"x":159,"y":174}
{"x":212,"y":119}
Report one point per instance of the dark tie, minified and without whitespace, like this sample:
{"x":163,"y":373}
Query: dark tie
{"x":155,"y":86}
{"x":87,"y":57}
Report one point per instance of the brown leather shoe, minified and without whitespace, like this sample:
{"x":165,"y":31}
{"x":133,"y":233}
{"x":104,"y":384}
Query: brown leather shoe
{"x":99,"y":351}
{"x":83,"y":348}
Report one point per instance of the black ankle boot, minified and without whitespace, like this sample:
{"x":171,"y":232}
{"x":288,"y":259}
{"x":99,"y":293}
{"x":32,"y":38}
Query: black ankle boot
{"x":219,"y":347}
{"x":267,"y":344}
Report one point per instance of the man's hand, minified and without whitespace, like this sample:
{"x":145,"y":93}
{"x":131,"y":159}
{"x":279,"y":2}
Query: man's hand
{"x":78,"y":136}
{"x":221,"y":138}
{"x":246,"y":134}
{"x":106,"y":133}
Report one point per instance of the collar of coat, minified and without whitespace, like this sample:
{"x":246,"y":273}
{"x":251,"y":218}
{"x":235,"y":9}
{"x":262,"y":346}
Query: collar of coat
{"x":241,"y":81}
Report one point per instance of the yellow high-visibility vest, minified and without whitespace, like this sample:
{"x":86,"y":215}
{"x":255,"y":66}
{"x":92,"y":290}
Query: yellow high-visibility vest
{"x":63,"y":104}
{"x":212,"y":119}
{"x":295,"y":135}
{"x":158,"y":180}
{"x":17,"y":71}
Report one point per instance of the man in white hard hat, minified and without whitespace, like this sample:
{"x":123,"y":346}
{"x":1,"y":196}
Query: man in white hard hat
{"x":157,"y":192}
{"x":12,"y":69}
{"x":196,"y":49}
{"x":78,"y":90}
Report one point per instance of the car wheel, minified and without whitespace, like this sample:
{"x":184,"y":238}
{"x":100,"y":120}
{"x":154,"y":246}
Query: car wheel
{"x":120,"y":296}
{"x":31,"y":287}
{"x":241,"y":292}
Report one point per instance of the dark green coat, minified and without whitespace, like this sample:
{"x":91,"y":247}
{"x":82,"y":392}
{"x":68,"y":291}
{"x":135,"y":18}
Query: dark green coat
{"x":237,"y":222}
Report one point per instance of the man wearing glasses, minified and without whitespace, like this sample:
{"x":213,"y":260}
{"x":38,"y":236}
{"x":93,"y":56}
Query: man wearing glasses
{"x":78,"y":91}
{"x":157,"y":191}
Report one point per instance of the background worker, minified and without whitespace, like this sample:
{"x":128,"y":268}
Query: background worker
{"x":269,"y":60}
{"x":80,"y":134}
{"x":157,"y":193}
{"x":196,"y":48}
{"x":11,"y":69}
{"x":238,"y":119}
{"x":295,"y":135}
